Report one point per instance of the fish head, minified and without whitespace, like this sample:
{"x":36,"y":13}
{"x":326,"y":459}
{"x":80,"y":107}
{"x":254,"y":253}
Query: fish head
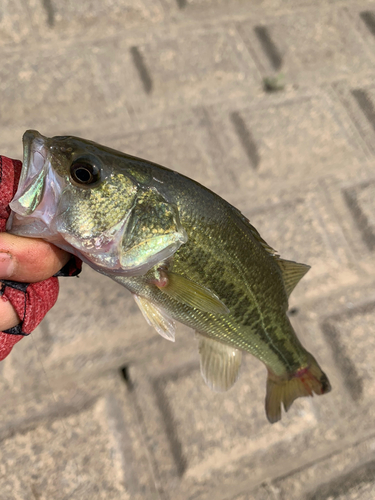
{"x":84,"y":198}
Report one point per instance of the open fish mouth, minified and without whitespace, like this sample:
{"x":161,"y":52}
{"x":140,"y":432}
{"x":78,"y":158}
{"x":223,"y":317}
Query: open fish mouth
{"x":39,"y":187}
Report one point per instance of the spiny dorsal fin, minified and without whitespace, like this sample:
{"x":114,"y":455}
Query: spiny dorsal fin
{"x":292,"y":273}
{"x":255,"y":233}
{"x":220,"y":364}
{"x":264,"y":244}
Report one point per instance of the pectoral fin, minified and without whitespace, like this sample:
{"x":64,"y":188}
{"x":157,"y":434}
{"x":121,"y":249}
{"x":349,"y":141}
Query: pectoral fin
{"x":156,"y":317}
{"x":220,"y":364}
{"x":190,"y":293}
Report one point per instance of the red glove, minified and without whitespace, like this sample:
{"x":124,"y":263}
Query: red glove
{"x":31,"y":301}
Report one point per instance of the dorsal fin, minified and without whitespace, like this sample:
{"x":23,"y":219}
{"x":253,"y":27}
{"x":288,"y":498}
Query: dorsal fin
{"x":292,"y":273}
{"x":255,"y":233}
{"x":264,"y":244}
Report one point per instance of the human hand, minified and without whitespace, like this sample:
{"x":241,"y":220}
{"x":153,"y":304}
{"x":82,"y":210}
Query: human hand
{"x":26,"y":260}
{"x":28,"y":270}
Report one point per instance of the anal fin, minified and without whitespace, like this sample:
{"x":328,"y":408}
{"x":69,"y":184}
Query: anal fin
{"x":157,"y":317}
{"x":220,"y":364}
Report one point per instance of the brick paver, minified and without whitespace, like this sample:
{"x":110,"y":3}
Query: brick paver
{"x":94,"y":404}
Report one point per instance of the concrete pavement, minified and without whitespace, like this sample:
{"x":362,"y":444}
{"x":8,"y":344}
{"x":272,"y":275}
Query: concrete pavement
{"x":95,"y":405}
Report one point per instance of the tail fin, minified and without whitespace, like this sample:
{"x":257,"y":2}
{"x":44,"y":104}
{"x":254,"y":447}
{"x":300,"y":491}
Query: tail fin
{"x":303,"y":382}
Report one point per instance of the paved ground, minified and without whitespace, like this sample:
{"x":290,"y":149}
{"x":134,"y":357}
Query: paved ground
{"x":94,"y":405}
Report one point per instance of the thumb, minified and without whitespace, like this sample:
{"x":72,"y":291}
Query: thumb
{"x":29,"y":260}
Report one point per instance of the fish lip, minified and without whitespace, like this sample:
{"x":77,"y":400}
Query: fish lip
{"x":35,"y":204}
{"x":35,"y":160}
{"x":33,"y":142}
{"x":39,"y":186}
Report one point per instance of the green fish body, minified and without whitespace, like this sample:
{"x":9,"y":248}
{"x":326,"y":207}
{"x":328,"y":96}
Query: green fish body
{"x":185,"y":253}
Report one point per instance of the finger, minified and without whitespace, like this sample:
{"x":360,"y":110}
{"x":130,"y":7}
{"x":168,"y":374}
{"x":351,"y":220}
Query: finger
{"x":29,"y":260}
{"x":8,"y":316}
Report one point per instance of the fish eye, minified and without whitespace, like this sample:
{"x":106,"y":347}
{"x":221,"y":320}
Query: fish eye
{"x":84,"y":173}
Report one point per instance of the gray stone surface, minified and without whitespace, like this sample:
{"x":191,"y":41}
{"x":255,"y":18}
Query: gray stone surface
{"x":82,"y":336}
{"x":19,"y":19}
{"x":108,"y":15}
{"x":358,"y":485}
{"x":338,"y":476}
{"x":206,"y":437}
{"x":345,"y":334}
{"x":360,"y":102}
{"x":190,"y":147}
{"x":311,"y":44}
{"x":78,"y":440}
{"x":94,"y":404}
{"x":304,"y":231}
{"x":360,"y":200}
{"x":302,"y":122}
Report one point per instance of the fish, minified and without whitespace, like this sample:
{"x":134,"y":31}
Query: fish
{"x":185,"y":254}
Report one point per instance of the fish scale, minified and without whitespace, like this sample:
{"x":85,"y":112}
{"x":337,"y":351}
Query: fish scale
{"x":185,"y":253}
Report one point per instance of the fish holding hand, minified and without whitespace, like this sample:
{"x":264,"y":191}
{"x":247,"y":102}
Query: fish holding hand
{"x":185,"y":254}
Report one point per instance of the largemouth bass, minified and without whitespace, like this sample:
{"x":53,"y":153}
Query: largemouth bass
{"x":185,"y":253}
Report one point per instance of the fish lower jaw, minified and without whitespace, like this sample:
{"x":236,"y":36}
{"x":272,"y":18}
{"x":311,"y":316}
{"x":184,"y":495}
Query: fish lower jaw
{"x":104,"y":263}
